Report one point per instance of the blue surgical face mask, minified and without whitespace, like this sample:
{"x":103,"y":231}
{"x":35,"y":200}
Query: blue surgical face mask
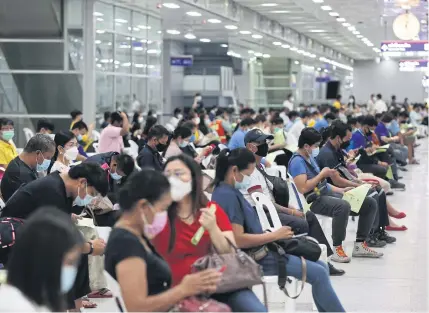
{"x":115,"y":175}
{"x":315,"y":152}
{"x":184,"y":144}
{"x":79,"y":137}
{"x":68,"y":276}
{"x":85,"y":201}
{"x":244,"y":184}
{"x":44,"y":166}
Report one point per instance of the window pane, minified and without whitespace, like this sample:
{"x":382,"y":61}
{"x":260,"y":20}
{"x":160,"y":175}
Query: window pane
{"x":140,"y":25}
{"x":75,"y":47}
{"x":104,"y":51}
{"x":139,"y":86}
{"x":123,"y":54}
{"x":139,"y":57}
{"x":122,"y":20}
{"x":123,"y":91}
{"x":154,"y":47}
{"x":74,"y":13}
{"x":103,"y":14}
{"x":104,"y":93}
{"x":154,"y":94}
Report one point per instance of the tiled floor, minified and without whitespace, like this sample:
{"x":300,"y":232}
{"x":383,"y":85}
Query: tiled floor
{"x":398,"y":281}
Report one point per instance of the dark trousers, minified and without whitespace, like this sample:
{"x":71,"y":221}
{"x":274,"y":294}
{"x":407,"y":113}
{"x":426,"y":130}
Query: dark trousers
{"x":333,"y":206}
{"x":310,"y":225}
{"x":383,"y":214}
{"x":375,"y":169}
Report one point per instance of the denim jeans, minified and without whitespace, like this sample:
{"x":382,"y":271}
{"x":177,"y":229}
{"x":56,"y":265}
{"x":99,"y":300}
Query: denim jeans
{"x":243,"y":300}
{"x":324,"y":296}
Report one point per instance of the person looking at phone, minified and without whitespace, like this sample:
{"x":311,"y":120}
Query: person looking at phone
{"x":233,"y":169}
{"x":143,"y":275}
{"x":325,"y":199}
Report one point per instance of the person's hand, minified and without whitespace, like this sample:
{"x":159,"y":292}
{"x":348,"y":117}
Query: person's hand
{"x":352,"y":154}
{"x":383,"y":164}
{"x":328,"y":172}
{"x":208,"y":219}
{"x":201,"y":282}
{"x":75,"y":218}
{"x":267,"y":164}
{"x":347,"y":189}
{"x":99,"y":246}
{"x":298,"y":213}
{"x":123,"y":115}
{"x":285,"y":232}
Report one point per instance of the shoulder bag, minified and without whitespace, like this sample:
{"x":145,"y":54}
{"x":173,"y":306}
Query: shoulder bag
{"x":280,"y":190}
{"x":200,"y":304}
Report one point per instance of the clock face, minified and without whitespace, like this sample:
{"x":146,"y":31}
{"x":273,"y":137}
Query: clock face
{"x":406,"y":26}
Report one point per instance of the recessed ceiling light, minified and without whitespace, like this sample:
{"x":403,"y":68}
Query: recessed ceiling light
{"x":224,"y":45}
{"x":245,"y":32}
{"x":296,"y":62}
{"x":171,"y":5}
{"x":319,"y":69}
{"x":279,"y":11}
{"x":205,"y":40}
{"x":266,"y":56}
{"x":346,"y":24}
{"x":326,"y":8}
{"x":251,"y":52}
{"x":317,"y":31}
{"x":98,"y":14}
{"x":214,"y":21}
{"x":285,"y":46}
{"x":231,"y":27}
{"x":269,"y":4}
{"x":258,"y":54}
{"x":173,"y":32}
{"x":351,"y":28}
{"x":325,"y":70}
{"x":293,"y":49}
{"x":277,"y":43}
{"x":341,"y":19}
{"x":318,"y":1}
{"x":257,"y":36}
{"x":193,"y":13}
{"x":355,"y":32}
{"x":370,"y":44}
{"x":359,"y":36}
{"x":190,"y":36}
{"x":333,"y":14}
{"x":120,"y":20}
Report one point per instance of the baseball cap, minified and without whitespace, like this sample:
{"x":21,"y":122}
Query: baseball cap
{"x":256,"y":135}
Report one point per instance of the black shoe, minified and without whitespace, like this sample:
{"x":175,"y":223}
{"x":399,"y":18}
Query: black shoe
{"x":401,"y":163}
{"x":396,"y":185}
{"x":403,"y":169}
{"x":335,"y":271}
{"x":389,"y":193}
{"x":374,"y":242}
{"x":384,"y":236}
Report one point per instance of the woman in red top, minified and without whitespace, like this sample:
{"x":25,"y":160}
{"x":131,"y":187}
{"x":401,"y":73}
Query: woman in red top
{"x":190,"y":211}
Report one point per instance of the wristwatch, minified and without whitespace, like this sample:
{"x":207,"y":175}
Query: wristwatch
{"x":91,"y":249}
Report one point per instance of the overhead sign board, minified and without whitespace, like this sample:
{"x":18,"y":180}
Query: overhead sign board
{"x":413,"y":63}
{"x":183,"y":60}
{"x":322,"y":79}
{"x":404,"y":46}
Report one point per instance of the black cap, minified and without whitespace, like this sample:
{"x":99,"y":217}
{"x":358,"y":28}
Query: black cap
{"x":256,"y":135}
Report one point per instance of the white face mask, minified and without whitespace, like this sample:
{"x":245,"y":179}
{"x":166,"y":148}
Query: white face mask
{"x":71,"y":153}
{"x":198,"y":98}
{"x":179,"y":116}
{"x":291,"y":99}
{"x":179,"y":188}
{"x":351,"y":100}
{"x":140,"y":119}
{"x":197,"y":120}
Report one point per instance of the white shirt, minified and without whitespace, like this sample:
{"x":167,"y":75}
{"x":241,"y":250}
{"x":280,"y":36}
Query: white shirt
{"x":12,"y":300}
{"x":257,"y":181}
{"x":380,"y":106}
{"x":297,"y":128}
{"x":284,"y":117}
{"x":288,"y":104}
{"x":136,"y":105}
{"x":370,"y":106}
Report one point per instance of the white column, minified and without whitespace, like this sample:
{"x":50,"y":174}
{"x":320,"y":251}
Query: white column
{"x":88,"y":86}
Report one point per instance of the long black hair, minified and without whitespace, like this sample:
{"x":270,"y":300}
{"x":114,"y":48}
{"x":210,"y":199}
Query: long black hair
{"x":199,"y":199}
{"x":61,"y":139}
{"x":36,"y":260}
{"x":240,"y":157}
{"x":150,"y":121}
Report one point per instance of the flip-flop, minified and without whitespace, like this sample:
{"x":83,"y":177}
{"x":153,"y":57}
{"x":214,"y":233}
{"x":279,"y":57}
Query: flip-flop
{"x":398,"y":216}
{"x":399,"y":228}
{"x":102,"y":293}
{"x":87,"y":304}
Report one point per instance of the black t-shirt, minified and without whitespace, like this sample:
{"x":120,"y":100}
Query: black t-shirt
{"x":17,"y":173}
{"x":46,"y":191}
{"x":122,"y":245}
{"x":150,"y":158}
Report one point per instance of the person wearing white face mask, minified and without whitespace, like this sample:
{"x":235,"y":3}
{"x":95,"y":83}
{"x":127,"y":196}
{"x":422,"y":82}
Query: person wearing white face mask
{"x":25,"y":168}
{"x":66,"y":152}
{"x":54,"y":245}
{"x":288,"y":103}
{"x":181,"y":139}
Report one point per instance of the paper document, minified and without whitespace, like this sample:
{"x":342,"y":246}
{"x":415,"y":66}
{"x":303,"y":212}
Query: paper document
{"x":384,"y":147}
{"x":86,"y":222}
{"x":389,"y":173}
{"x":306,"y":206}
{"x":356,"y":196}
{"x":355,"y":159}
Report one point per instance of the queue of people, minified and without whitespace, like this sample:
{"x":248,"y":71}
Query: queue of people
{"x":157,"y":202}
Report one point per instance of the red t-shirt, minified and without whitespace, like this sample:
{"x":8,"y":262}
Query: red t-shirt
{"x":184,"y":253}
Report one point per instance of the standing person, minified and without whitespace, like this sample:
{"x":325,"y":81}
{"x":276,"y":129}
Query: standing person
{"x":144,"y":201}
{"x":371,"y":104}
{"x":76,"y":116}
{"x":299,"y":124}
{"x":177,"y":117}
{"x":198,"y":102}
{"x":222,"y":125}
{"x":288,"y":103}
{"x":7,"y":148}
{"x":23,"y":169}
{"x":45,"y":127}
{"x":352,"y":103}
{"x":149,"y":156}
{"x":136,"y":105}
{"x":416,"y":117}
{"x":54,"y":245}
{"x":380,"y":106}
{"x":106,"y":120}
{"x":337,"y":103}
{"x":111,"y":137}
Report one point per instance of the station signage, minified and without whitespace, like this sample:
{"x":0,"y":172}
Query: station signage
{"x":183,"y":60}
{"x":404,"y":46}
{"x":323,"y":79}
{"x":413,"y":64}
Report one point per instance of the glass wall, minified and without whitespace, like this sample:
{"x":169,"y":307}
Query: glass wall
{"x":128,"y":59}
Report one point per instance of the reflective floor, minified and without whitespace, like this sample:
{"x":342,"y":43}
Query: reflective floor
{"x":398,"y":281}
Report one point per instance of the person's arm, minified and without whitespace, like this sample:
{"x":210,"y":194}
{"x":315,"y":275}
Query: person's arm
{"x":278,"y":207}
{"x":80,"y":158}
{"x":305,"y":185}
{"x":246,"y":241}
{"x":125,"y":124}
{"x":341,"y":182}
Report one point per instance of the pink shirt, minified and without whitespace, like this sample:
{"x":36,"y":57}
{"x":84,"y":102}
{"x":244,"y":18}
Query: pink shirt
{"x":111,"y":140}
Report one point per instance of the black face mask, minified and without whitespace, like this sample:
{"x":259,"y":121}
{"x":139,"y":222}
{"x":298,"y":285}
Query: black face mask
{"x":161,"y":147}
{"x":262,"y":150}
{"x":368,"y":133}
{"x":344,"y":145}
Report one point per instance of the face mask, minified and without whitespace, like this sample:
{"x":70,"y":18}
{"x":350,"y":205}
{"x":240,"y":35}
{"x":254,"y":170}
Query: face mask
{"x":291,"y":99}
{"x":140,"y":120}
{"x":276,"y":129}
{"x":315,"y":152}
{"x":71,"y":153}
{"x":344,"y":145}
{"x":179,"y":116}
{"x":198,"y":98}
{"x":158,"y":224}
{"x":207,"y":122}
{"x":85,"y":201}
{"x":374,"y":99}
{"x":192,"y":138}
{"x":179,"y":188}
{"x":79,"y":137}
{"x":154,"y":115}
{"x":115,"y":176}
{"x":68,"y":276}
{"x":44,"y":166}
{"x":262,"y":150}
{"x":183,"y":144}
{"x":8,"y":134}
{"x":351,"y":100}
{"x":388,"y":125}
{"x":161,"y":147}
{"x":197,"y":121}
{"x":243,"y":184}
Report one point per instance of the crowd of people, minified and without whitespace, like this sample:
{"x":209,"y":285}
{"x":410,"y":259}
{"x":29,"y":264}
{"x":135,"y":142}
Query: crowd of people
{"x":156,"y":202}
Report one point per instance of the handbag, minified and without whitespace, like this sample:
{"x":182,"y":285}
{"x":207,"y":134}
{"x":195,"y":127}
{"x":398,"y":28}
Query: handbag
{"x":9,"y":227}
{"x":305,"y":246}
{"x":280,"y":190}
{"x":200,"y":304}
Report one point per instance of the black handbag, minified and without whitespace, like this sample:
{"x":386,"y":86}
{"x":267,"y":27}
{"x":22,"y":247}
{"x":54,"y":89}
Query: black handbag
{"x":280,"y":189}
{"x":305,"y":246}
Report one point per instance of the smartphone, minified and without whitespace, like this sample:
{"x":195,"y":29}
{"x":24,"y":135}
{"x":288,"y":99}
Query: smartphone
{"x":337,"y":166}
{"x":222,"y":269}
{"x":300,"y":235}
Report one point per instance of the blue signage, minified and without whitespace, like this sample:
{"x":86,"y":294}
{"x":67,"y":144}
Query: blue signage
{"x":186,"y":60}
{"x":323,"y":79}
{"x":412,"y":64}
{"x":404,"y":46}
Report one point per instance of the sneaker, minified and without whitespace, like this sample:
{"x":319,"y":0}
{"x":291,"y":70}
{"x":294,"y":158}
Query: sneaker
{"x":389,"y":193}
{"x":384,"y":236}
{"x":374,"y":242}
{"x":333,"y":271}
{"x":361,"y":250}
{"x":403,"y":169}
{"x":396,"y":185}
{"x":340,"y":256}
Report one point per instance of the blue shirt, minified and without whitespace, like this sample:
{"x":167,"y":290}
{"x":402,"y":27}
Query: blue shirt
{"x":322,"y":123}
{"x":358,"y":141}
{"x":394,"y":128}
{"x":298,"y":166}
{"x":237,"y":140}
{"x":381,"y":131}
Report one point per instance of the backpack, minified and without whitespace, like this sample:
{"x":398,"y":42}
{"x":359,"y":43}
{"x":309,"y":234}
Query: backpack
{"x":9,"y":227}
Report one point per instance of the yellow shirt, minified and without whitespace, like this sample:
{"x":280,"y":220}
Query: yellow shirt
{"x":337,"y":104}
{"x":311,"y":123}
{"x":279,"y":137}
{"x":87,"y":141}
{"x":7,"y":152}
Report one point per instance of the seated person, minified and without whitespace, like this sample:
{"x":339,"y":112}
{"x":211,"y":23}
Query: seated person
{"x":406,"y":137}
{"x":36,"y":157}
{"x":232,"y":171}
{"x":144,"y":201}
{"x":76,"y":116}
{"x":83,"y":134}
{"x":66,"y":152}
{"x":7,"y":148}
{"x":325,"y":121}
{"x":150,"y":156}
{"x":416,"y":117}
{"x":186,"y":216}
{"x":326,"y":199}
{"x":277,"y":129}
{"x":331,"y":156}
{"x":111,"y":137}
{"x":181,"y":139}
{"x":255,"y":141}
{"x":45,"y":127}
{"x":237,"y":138}
{"x":299,"y":124}
{"x":261,"y":122}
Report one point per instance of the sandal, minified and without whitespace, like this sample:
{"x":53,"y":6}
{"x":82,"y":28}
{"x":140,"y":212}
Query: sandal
{"x":414,"y":161}
{"x":102,"y":293}
{"x":398,"y":216}
{"x":396,"y":228}
{"x":87,"y":304}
